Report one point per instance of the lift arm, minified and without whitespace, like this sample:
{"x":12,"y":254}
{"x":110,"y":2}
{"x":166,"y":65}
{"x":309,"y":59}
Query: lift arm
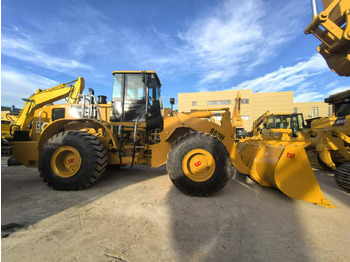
{"x":332,"y":28}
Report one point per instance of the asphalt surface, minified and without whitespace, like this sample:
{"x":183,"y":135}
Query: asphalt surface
{"x":138,"y":215}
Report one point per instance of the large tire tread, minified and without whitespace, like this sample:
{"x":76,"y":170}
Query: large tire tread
{"x":342,"y":176}
{"x":89,"y":172}
{"x":207,"y":188}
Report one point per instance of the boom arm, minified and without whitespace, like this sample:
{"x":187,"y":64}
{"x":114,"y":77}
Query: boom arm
{"x":258,"y":122}
{"x":335,"y":47}
{"x":48,"y":96}
{"x":236,"y":116}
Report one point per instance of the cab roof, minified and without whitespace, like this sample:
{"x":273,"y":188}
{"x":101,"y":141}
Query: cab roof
{"x":133,"y":72}
{"x":138,"y":72}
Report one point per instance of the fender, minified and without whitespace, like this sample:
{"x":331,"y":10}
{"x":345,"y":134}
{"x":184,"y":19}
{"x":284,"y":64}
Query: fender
{"x":52,"y":129}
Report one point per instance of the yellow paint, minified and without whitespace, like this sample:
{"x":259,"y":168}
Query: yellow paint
{"x":65,"y":161}
{"x":48,"y":96}
{"x":26,"y":152}
{"x":283,"y":165}
{"x":198,"y":165}
{"x":331,"y":27}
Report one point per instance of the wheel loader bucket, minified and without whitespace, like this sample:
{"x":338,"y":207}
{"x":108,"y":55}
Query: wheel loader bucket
{"x":283,"y":165}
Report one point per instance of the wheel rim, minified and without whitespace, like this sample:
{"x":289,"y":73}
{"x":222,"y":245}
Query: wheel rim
{"x":65,"y":161}
{"x":198,"y":165}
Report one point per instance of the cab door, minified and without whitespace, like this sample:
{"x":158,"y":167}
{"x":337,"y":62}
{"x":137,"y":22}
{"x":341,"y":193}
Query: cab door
{"x":128,"y":98}
{"x":134,"y":99}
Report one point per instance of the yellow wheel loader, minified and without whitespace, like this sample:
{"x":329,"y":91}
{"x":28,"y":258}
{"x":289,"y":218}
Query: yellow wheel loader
{"x":327,"y":138}
{"x":330,"y":137}
{"x":72,"y":144}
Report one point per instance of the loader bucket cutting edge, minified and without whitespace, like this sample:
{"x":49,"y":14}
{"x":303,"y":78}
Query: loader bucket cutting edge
{"x":285,"y":166}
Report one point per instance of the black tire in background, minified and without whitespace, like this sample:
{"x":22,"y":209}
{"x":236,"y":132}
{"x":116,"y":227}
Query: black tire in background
{"x":92,"y":153}
{"x":199,"y":141}
{"x":342,"y":176}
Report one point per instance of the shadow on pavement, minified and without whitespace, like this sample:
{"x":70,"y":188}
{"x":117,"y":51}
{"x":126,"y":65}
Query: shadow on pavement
{"x":26,"y":199}
{"x":251,"y":223}
{"x":330,"y":187}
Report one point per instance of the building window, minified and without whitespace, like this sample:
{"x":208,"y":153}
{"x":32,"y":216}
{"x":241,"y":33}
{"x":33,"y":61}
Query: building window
{"x":219,"y":102}
{"x":329,"y":111}
{"x":295,"y":110}
{"x":313,"y":112}
{"x":194,"y":103}
{"x":245,"y":117}
{"x":316,"y":111}
{"x":245,"y":101}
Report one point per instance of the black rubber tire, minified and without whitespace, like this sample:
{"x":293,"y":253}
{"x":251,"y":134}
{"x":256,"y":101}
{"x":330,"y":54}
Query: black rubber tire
{"x":93,"y":160}
{"x":13,"y":162}
{"x":198,"y":140}
{"x":342,"y":176}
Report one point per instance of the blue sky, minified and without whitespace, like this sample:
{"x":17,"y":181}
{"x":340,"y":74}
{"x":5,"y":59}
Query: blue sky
{"x":193,"y":45}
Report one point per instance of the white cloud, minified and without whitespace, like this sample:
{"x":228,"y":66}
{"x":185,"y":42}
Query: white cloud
{"x":237,"y":36}
{"x":289,"y":78}
{"x":308,"y":96}
{"x":25,"y":50}
{"x":303,"y":78}
{"x":338,"y":90}
{"x":16,"y":85}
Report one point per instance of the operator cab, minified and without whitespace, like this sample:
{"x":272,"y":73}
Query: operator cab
{"x":295,"y":122}
{"x":136,"y":97}
{"x":340,"y":103}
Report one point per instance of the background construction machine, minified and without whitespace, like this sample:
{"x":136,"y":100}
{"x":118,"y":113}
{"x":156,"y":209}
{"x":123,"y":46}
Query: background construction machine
{"x":23,"y":121}
{"x":330,"y":138}
{"x":72,"y":144}
{"x":332,"y":27}
{"x":331,"y":135}
{"x":8,"y":117}
{"x":281,"y":136}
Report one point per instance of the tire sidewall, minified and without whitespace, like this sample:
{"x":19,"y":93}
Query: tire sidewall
{"x":86,"y":159}
{"x":208,"y":143}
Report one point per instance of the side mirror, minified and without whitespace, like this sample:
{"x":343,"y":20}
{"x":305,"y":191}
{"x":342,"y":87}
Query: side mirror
{"x":172,"y":102}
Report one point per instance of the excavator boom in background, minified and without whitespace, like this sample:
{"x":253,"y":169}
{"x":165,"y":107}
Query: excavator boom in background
{"x":23,"y":121}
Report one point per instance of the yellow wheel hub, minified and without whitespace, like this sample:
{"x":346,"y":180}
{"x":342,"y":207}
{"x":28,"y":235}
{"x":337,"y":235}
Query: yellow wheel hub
{"x":65,"y":161}
{"x":198,"y":165}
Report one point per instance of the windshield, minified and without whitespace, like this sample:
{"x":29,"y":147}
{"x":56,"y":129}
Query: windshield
{"x":282,"y":122}
{"x":279,"y":121}
{"x":269,"y":122}
{"x":134,"y":87}
{"x":118,"y":82}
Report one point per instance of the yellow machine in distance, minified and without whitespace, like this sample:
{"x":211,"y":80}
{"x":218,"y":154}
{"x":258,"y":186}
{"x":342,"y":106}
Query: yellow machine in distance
{"x":276,"y":157}
{"x":75,"y":142}
{"x":330,"y":137}
{"x":40,"y":98}
{"x":24,"y":119}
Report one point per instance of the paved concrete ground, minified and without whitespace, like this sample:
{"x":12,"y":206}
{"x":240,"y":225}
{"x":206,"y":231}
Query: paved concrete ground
{"x":137,"y":215}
